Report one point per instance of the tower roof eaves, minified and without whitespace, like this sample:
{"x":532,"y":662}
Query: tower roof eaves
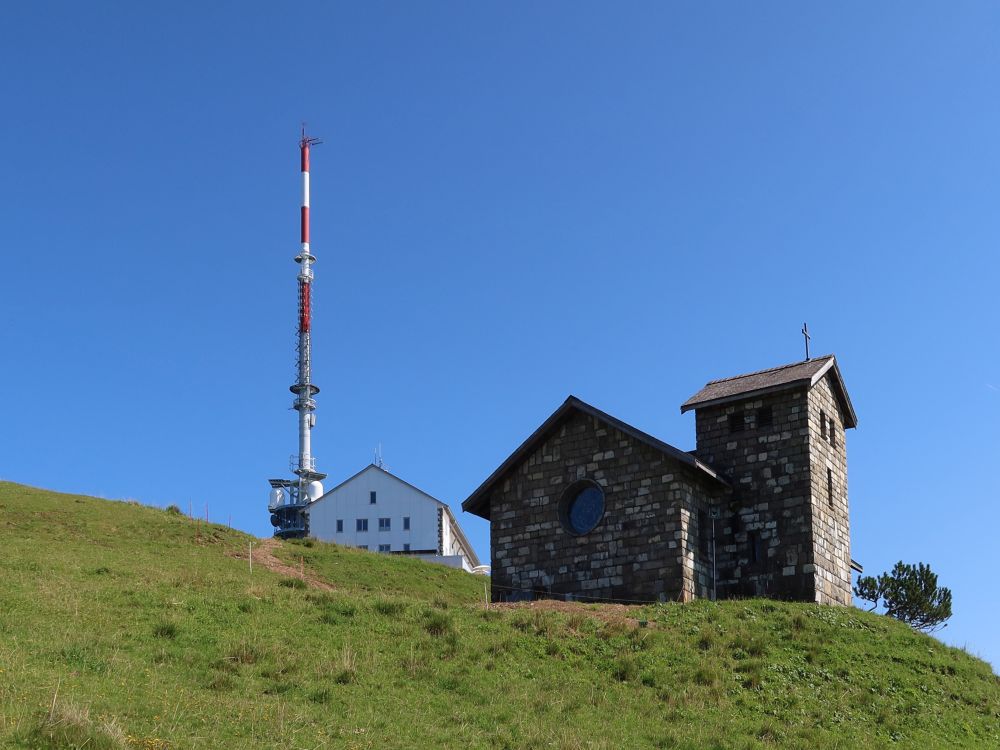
{"x":806,"y":373}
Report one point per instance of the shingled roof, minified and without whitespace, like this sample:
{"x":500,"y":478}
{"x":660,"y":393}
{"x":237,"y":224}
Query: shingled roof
{"x":475,"y":502}
{"x":806,"y":373}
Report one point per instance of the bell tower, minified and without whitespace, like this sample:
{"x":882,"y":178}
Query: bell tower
{"x":779,"y":438}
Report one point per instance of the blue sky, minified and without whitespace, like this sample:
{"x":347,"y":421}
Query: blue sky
{"x":514,"y":202}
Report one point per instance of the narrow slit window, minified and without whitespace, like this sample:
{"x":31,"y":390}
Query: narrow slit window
{"x":755,"y":551}
{"x":822,"y":422}
{"x":833,"y":433}
{"x":829,"y":486}
{"x":340,"y":525}
{"x":406,"y":523}
{"x":371,"y":497}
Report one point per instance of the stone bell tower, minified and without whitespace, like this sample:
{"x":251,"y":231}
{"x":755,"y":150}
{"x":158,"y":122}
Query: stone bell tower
{"x":779,"y":437}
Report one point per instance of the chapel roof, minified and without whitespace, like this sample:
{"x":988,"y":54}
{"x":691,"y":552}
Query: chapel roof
{"x":797,"y":374}
{"x":477,"y":500}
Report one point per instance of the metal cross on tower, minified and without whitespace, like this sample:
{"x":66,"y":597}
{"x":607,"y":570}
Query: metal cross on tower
{"x":805,"y":334}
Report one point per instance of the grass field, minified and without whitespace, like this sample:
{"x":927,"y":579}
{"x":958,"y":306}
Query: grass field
{"x":128,"y":626}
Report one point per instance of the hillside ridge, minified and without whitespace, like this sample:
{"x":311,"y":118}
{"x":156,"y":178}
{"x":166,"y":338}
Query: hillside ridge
{"x":126,"y":626}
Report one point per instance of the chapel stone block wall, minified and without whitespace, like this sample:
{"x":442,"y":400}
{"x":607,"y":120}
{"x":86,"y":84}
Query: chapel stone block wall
{"x":828,"y":482}
{"x":643,"y":548}
{"x":764,"y":540}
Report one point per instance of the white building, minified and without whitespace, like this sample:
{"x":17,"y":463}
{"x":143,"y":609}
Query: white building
{"x":378,"y":511}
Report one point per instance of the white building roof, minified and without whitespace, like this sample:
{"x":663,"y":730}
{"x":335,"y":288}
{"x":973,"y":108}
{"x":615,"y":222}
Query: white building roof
{"x":473,"y":558}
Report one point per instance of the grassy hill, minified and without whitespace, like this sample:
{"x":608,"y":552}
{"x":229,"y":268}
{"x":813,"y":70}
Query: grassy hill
{"x":128,"y":626}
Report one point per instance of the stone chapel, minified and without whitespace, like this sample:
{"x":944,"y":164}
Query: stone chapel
{"x":593,"y":509}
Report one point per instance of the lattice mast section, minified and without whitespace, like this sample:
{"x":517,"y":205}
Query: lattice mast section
{"x":289,"y":497}
{"x":304,"y":389}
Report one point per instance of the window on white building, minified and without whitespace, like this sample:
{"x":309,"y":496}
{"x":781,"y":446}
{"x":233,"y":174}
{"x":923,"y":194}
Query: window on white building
{"x":362,"y":546}
{"x":383,"y":524}
{"x":384,"y":547}
{"x":371,"y":497}
{"x":406,"y":548}
{"x":406,"y":523}
{"x":362,"y":524}
{"x":340,"y":525}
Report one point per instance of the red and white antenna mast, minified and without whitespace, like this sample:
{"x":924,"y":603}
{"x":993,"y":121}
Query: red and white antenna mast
{"x":290,"y":496}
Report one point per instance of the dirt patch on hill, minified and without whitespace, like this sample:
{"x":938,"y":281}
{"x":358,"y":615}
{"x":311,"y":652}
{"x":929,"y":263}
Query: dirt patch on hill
{"x":616,"y":614}
{"x":263,"y":554}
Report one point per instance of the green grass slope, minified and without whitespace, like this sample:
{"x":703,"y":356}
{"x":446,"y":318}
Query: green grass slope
{"x":123,"y":626}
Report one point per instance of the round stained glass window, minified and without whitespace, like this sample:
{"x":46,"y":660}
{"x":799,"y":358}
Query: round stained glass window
{"x":583,"y":507}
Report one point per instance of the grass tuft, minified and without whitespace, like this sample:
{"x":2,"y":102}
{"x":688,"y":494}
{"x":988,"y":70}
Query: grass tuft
{"x":416,"y":662}
{"x":348,"y":671}
{"x":84,"y":657}
{"x":66,"y":726}
{"x":244,"y":652}
{"x":220,"y":681}
{"x":753,"y":675}
{"x":708,"y":676}
{"x":165,"y":629}
{"x":388,"y":607}
{"x":769,"y":732}
{"x":320,"y":696}
{"x":501,"y":646}
{"x":338,"y":612}
{"x":438,"y":623}
{"x":626,"y":668}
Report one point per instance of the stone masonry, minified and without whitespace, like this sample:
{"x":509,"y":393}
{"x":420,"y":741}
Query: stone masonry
{"x":831,"y":521}
{"x":642,"y":550}
{"x":779,"y":535}
{"x":760,"y":507}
